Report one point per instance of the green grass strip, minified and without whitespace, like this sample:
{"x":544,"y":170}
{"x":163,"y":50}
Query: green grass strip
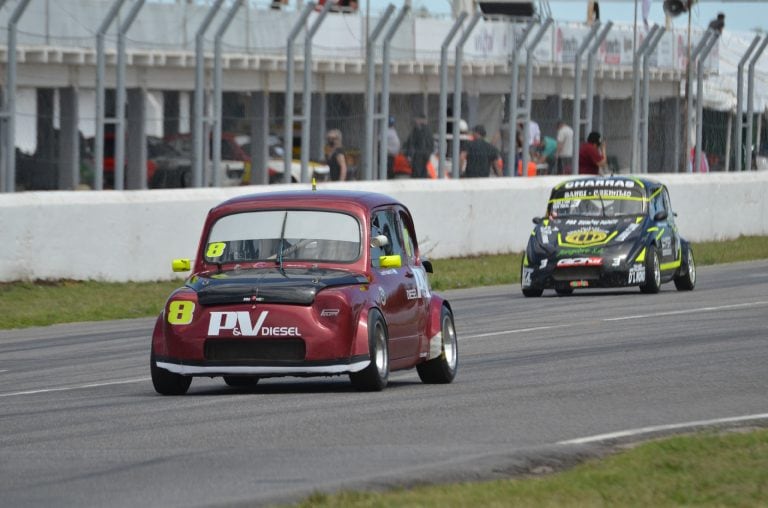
{"x":708,"y":469}
{"x":25,"y":304}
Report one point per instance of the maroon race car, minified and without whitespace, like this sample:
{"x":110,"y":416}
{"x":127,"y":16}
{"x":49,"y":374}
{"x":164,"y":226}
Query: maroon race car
{"x":304,"y":283}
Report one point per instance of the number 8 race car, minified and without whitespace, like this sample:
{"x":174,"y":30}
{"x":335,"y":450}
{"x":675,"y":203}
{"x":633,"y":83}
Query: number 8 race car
{"x":607,"y":232}
{"x":304,"y":284}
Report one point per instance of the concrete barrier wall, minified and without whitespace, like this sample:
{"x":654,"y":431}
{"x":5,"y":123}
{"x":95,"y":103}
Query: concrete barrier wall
{"x":133,"y":235}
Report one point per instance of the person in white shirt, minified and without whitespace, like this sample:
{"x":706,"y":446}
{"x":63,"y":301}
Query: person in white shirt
{"x":564,"y":153}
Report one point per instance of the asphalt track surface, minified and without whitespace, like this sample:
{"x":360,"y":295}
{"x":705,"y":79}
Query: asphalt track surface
{"x":80,"y":424}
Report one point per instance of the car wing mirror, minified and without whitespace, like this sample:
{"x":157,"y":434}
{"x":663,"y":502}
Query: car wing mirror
{"x":379,"y":241}
{"x":427,"y":265}
{"x":537,"y":220}
{"x":181,"y":265}
{"x":393,"y":261}
{"x":660,"y":215}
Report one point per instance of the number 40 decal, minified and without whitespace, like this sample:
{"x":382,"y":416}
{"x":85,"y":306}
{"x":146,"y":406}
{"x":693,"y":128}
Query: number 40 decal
{"x":180,"y":312}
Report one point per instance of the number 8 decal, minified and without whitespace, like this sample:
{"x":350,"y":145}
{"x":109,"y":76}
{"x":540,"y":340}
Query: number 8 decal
{"x":180,"y":312}
{"x":215,"y":249}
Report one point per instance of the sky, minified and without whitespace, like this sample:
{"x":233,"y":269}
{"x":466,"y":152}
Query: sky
{"x":740,"y":16}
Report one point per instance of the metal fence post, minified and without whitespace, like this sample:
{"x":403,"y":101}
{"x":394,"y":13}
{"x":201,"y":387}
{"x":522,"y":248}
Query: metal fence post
{"x":9,"y":132}
{"x":370,"y":92}
{"x":306,"y":94}
{"x":654,"y":41}
{"x":217,"y":92}
{"x":577,"y":94}
{"x":740,"y":100}
{"x":119,"y":171}
{"x":513,"y":99}
{"x":457,"y":88}
{"x":290,"y":87}
{"x":750,"y":98}
{"x":589,"y":113}
{"x":443,"y":114}
{"x":689,"y":106}
{"x":385,"y":72}
{"x":529,"y":91}
{"x":636,"y":61}
{"x":198,"y":131}
{"x":700,"y":98}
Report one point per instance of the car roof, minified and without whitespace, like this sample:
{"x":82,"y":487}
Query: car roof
{"x":329,"y":199}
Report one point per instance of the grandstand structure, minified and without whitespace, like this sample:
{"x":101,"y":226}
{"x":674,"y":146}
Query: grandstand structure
{"x":167,"y":62}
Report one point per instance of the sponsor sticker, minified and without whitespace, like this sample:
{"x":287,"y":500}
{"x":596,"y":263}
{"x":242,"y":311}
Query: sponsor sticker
{"x":527,"y":275}
{"x":569,"y":262}
{"x":585,"y":237}
{"x":240,"y":324}
{"x":636,"y":274}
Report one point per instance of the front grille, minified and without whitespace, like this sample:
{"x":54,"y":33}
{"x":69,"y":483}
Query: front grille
{"x":577,"y":273}
{"x":255,"y":350}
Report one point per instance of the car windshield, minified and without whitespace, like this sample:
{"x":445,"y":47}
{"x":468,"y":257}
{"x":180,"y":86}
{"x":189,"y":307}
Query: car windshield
{"x":596,"y":201}
{"x":282,"y":235}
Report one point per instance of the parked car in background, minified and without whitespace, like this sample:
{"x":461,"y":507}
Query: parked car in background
{"x":304,"y":283}
{"x":234,"y":160}
{"x":276,"y":163}
{"x":607,"y":232}
{"x":166,"y":168}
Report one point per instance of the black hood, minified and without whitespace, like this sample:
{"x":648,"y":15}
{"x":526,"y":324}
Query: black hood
{"x":292,"y":286}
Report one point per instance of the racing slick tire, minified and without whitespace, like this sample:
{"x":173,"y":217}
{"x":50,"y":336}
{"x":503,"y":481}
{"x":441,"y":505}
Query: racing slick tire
{"x":442,"y":370}
{"x":529,"y":292}
{"x":652,"y":282}
{"x":375,"y":376}
{"x":168,"y":383}
{"x":686,"y":279}
{"x":241,"y":381}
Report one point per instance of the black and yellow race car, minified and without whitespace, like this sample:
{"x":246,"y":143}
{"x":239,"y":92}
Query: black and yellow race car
{"x":607,"y":232}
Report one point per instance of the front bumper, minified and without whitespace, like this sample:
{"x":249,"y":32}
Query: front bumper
{"x":297,"y":369}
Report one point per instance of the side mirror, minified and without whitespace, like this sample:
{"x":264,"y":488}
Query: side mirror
{"x":181,"y":265}
{"x":427,"y":265}
{"x":662,"y":215}
{"x":537,"y":220}
{"x":379,"y":241}
{"x":393,"y":261}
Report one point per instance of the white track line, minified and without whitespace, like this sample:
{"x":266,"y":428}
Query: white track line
{"x":661,"y":428}
{"x":76,"y":387}
{"x":690,"y":311}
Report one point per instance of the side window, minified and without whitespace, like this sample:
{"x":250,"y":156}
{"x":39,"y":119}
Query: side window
{"x":409,"y":246}
{"x":667,"y":203}
{"x":385,"y":223}
{"x":657,"y":203}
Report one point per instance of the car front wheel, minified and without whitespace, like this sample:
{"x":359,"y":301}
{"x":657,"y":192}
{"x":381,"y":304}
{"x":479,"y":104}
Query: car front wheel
{"x":528,"y":291}
{"x":168,"y":383}
{"x":652,"y":272}
{"x":442,"y":370}
{"x":686,"y":280}
{"x":375,"y":376}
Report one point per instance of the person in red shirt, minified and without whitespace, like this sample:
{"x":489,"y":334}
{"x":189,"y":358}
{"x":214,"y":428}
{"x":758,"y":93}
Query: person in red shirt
{"x":592,"y":155}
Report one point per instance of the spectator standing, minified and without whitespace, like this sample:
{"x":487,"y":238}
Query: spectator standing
{"x":481,"y":157}
{"x":419,"y":146}
{"x":592,"y":155}
{"x":545,"y":153}
{"x":393,"y":146}
{"x":564,"y":147}
{"x":337,"y":159}
{"x":703,"y":164}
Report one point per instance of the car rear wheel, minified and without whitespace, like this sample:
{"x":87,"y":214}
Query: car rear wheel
{"x":652,"y":272}
{"x":241,"y":381}
{"x":375,"y":376}
{"x":442,"y":370}
{"x":166,"y":382}
{"x":686,"y":280}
